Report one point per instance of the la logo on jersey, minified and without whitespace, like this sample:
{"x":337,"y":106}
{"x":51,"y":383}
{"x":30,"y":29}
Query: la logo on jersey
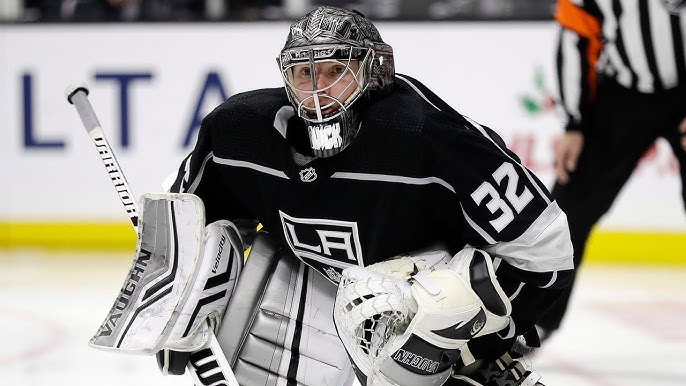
{"x":325,"y":136}
{"x":329,"y":246}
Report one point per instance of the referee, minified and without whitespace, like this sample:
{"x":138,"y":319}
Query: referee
{"x":621,"y":68}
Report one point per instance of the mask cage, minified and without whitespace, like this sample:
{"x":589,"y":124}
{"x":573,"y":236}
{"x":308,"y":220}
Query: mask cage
{"x":322,"y":100}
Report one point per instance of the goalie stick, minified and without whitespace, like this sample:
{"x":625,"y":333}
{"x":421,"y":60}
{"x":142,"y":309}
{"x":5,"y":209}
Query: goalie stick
{"x":208,"y":366}
{"x":78,"y":96}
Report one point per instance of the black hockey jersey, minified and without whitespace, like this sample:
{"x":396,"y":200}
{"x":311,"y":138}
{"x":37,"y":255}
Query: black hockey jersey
{"x":418,"y":175}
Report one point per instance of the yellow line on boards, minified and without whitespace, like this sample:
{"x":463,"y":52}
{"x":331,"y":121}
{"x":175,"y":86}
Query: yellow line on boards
{"x":603,"y":246}
{"x":65,"y":236}
{"x":636,"y":247}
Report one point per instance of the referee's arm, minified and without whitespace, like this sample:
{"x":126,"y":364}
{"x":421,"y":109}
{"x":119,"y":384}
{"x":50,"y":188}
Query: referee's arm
{"x":579,"y":48}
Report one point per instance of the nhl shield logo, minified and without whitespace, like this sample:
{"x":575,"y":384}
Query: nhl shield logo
{"x":308,"y":175}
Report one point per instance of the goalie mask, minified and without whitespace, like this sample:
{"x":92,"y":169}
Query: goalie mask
{"x":332,"y":63}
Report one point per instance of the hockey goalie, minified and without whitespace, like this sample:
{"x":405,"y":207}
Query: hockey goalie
{"x":401,"y":242}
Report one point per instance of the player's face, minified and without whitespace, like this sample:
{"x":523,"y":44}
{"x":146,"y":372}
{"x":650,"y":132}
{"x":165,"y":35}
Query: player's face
{"x":332,"y":84}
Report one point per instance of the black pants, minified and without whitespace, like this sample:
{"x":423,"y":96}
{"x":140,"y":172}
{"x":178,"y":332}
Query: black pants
{"x":625,"y":124}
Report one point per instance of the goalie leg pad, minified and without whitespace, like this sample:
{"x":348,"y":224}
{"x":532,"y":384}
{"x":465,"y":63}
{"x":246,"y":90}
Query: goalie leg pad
{"x":182,"y":275}
{"x":278,"y":326}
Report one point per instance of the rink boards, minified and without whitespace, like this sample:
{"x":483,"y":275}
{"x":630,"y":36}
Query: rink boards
{"x":152,"y":84}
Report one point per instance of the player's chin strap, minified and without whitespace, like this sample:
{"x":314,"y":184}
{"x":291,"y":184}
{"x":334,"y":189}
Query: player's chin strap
{"x":407,"y":321}
{"x":179,"y":284}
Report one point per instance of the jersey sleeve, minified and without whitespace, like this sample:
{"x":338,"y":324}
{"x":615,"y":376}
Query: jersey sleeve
{"x":200,"y":175}
{"x":509,"y":213}
{"x":578,"y":51}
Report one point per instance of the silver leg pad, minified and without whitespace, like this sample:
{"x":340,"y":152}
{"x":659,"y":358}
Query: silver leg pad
{"x":279,"y":327}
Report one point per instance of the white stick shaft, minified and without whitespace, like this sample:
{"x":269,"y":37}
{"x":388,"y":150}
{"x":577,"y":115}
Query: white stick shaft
{"x":209,"y":366}
{"x":92,"y":126}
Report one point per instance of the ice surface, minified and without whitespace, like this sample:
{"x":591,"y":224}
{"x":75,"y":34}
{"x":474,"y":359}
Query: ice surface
{"x":626,"y":326}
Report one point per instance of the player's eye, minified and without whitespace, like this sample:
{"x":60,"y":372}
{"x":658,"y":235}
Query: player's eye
{"x":304,"y":71}
{"x":337,"y":70}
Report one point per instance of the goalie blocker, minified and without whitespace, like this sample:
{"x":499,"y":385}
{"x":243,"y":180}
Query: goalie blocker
{"x":179,"y":283}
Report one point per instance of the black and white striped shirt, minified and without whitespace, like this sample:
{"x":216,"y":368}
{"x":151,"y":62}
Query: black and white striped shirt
{"x":641,"y":44}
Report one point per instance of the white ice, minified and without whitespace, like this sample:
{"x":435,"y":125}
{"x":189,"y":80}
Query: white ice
{"x":626,"y":325}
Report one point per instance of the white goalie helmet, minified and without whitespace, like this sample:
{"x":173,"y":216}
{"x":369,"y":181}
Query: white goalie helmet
{"x":332,"y":63}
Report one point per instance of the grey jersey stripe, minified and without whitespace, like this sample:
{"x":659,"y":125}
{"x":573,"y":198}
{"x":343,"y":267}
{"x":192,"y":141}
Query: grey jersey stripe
{"x":393,"y":179}
{"x":417,"y":90}
{"x":552,"y":281}
{"x":198,"y":178}
{"x":230,"y":162}
{"x":517,"y":291}
{"x":250,"y":165}
{"x":489,"y":240}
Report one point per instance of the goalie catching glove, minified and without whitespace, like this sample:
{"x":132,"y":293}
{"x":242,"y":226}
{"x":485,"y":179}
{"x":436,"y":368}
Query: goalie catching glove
{"x":406,"y":321}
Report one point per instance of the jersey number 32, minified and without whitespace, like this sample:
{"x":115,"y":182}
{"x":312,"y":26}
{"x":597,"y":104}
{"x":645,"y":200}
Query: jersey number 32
{"x":510,"y":200}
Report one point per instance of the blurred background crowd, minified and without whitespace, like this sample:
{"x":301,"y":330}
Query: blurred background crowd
{"x":30,"y":11}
